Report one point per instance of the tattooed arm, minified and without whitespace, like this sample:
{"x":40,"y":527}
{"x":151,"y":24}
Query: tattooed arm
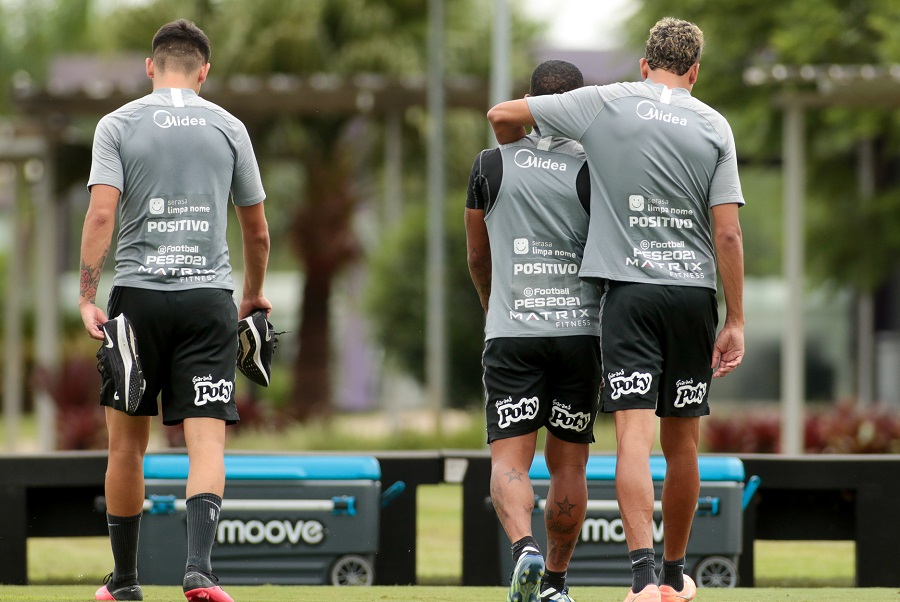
{"x":96,"y":238}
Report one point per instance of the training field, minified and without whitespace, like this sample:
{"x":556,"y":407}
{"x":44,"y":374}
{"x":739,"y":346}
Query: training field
{"x":80,"y":563}
{"x":70,"y":593}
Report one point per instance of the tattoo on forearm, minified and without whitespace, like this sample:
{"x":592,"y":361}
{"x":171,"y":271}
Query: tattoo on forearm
{"x":90,"y":277}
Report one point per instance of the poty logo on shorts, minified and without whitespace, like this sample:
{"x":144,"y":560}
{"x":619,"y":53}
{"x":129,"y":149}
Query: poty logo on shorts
{"x":562,"y":418}
{"x":636,"y":384}
{"x":524,"y":409}
{"x":687,"y":393}
{"x":207,"y":391}
{"x":165,"y":120}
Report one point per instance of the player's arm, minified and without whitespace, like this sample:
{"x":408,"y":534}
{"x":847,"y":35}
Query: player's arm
{"x":96,"y":238}
{"x":728,"y":350}
{"x":478,"y":251}
{"x":508,"y":120}
{"x":255,"y":238}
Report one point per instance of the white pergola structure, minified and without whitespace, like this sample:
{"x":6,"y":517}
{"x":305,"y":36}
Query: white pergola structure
{"x":803,"y":88}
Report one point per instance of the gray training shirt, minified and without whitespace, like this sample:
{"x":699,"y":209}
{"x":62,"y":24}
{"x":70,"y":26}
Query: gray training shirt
{"x":537,"y":228}
{"x":176,"y":158}
{"x":659,"y":159}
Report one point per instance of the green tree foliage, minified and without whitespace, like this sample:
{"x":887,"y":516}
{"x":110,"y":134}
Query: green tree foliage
{"x":318,"y":170}
{"x":340,"y":37}
{"x":398,"y":302}
{"x":33,"y":31}
{"x":743,"y":33}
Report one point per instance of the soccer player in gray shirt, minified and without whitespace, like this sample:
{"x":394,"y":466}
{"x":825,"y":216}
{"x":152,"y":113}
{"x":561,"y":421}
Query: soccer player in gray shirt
{"x":663,"y":172}
{"x":526,"y":225}
{"x":165,"y":165}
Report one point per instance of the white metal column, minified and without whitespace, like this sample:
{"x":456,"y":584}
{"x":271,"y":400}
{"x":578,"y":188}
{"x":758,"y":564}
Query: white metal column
{"x":865,"y":303}
{"x":12,"y":320}
{"x":793,"y":364}
{"x":435,"y":322}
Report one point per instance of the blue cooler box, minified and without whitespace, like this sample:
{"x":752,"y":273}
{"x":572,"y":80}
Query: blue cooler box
{"x":601,"y":555}
{"x":285,"y":520}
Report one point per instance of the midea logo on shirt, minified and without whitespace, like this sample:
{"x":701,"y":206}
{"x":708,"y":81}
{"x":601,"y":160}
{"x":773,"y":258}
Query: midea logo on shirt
{"x":526,"y":158}
{"x":647,"y":110}
{"x":164,"y":119}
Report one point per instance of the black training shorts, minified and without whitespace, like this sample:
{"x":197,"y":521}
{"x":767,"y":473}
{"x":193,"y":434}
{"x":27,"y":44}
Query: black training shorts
{"x":657,"y":343}
{"x":187,"y":341}
{"x":532,"y":382}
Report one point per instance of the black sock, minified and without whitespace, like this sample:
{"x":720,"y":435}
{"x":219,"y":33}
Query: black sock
{"x":643,"y":568}
{"x":202,"y":521}
{"x":673,"y":574}
{"x":123,"y":538}
{"x":525,"y":545}
{"x":554,"y":579}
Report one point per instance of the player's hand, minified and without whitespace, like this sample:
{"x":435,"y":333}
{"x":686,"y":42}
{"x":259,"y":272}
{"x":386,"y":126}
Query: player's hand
{"x":248,"y":304}
{"x":93,"y":317}
{"x":728,"y":351}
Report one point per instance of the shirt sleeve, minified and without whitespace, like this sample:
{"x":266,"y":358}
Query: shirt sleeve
{"x":568,"y":115}
{"x":725,"y":186}
{"x":106,"y":163}
{"x":246,"y":183}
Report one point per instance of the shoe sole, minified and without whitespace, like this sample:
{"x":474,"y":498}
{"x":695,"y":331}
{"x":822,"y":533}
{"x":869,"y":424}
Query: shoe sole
{"x":527,"y":583}
{"x":131,"y":594}
{"x":207,"y":591}
{"x":208,"y":594}
{"x":122,"y":352}
{"x":688,"y":592}
{"x":254,"y":344}
{"x":644,"y":595}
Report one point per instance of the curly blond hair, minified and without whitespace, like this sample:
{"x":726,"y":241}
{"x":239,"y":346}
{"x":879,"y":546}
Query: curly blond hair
{"x":674,"y":45}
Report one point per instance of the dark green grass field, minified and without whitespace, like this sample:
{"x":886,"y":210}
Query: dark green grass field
{"x":65,"y":569}
{"x":71,"y":569}
{"x":69,"y":593}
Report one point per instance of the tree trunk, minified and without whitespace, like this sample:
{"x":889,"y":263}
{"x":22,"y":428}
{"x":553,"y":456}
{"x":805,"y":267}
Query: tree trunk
{"x":312,"y":368}
{"x":324,"y":239}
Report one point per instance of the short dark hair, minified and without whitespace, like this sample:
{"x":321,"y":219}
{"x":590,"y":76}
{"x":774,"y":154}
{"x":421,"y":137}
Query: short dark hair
{"x":180,"y":45}
{"x":674,"y":45}
{"x":555,"y":77}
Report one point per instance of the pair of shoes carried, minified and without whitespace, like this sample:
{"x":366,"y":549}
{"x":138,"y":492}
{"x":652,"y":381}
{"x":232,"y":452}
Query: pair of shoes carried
{"x":687,"y":592}
{"x":525,"y":582}
{"x":198,"y":586}
{"x":110,"y":592}
{"x":551,"y":594}
{"x":256,"y":344}
{"x":648,"y":594}
{"x":118,"y":361}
